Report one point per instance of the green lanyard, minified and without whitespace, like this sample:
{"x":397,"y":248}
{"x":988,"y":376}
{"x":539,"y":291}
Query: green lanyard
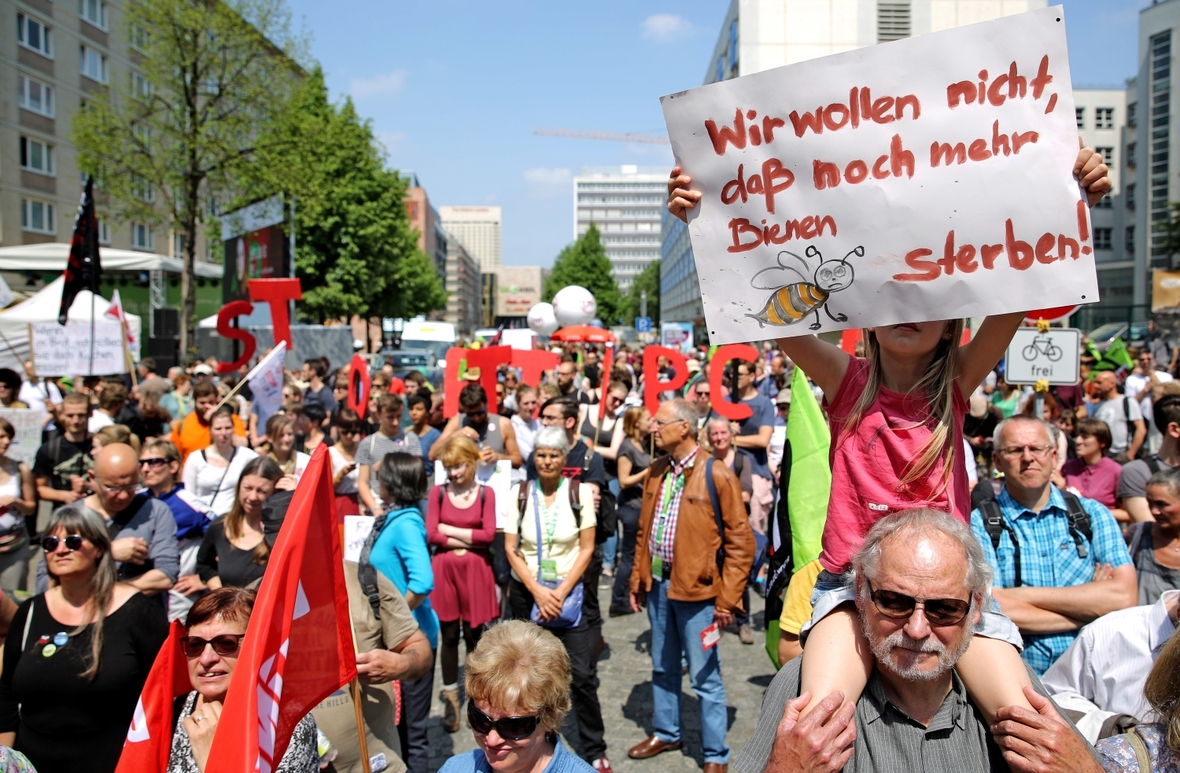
{"x":672,"y":486}
{"x":549,"y":523}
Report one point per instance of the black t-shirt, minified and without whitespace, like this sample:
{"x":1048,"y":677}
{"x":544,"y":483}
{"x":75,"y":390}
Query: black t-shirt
{"x":632,"y":496}
{"x":218,"y":557}
{"x":71,"y":459}
{"x":576,"y":467}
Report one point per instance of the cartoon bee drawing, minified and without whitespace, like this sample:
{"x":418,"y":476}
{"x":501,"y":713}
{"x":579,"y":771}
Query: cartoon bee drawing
{"x":794,"y":301}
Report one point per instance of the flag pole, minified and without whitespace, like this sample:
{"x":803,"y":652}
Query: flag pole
{"x":244,"y":379}
{"x":127,"y":348}
{"x":358,"y":703}
{"x":16,"y":356}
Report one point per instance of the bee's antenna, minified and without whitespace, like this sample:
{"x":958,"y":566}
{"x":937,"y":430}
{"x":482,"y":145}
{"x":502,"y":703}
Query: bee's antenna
{"x":858,"y":251}
{"x":813,"y":252}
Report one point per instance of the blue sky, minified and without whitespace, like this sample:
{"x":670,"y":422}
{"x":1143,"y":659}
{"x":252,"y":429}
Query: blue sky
{"x":455,"y":89}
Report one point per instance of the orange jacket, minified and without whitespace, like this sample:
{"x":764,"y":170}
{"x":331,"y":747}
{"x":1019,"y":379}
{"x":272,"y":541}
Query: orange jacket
{"x":191,"y":435}
{"x":695,"y":574}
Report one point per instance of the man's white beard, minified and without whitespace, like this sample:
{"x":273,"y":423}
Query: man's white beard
{"x":883,"y":650}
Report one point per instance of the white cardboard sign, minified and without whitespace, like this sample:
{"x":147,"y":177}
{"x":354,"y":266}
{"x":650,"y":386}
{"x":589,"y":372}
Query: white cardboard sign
{"x":27,"y":424}
{"x":1052,"y":356}
{"x":923,"y":179}
{"x":65,"y":351}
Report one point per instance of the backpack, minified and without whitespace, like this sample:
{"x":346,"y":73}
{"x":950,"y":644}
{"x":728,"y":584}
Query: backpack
{"x":996,"y":525}
{"x":366,"y":572}
{"x":761,"y":542}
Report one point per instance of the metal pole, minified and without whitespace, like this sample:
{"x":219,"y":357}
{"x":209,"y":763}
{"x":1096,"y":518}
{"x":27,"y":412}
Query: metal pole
{"x":643,"y":303}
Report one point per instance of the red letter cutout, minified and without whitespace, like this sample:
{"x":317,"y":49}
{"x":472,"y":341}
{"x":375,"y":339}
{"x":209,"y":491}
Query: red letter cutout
{"x":359,"y":385}
{"x":226,"y":330}
{"x":534,"y":362}
{"x":652,"y":386}
{"x":732,"y":411}
{"x":487,"y":360}
{"x":608,"y":362}
{"x":276,"y":293}
{"x":451,"y":382}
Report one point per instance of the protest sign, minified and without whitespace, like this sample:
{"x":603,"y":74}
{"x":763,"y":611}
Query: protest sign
{"x":922,"y":179}
{"x":27,"y":424}
{"x":64,"y":350}
{"x":356,"y":530}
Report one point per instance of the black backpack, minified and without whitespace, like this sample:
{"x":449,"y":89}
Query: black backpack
{"x":983,"y":498}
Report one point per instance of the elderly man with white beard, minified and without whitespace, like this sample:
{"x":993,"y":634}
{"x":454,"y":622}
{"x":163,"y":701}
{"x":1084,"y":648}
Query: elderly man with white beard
{"x":921,"y":580}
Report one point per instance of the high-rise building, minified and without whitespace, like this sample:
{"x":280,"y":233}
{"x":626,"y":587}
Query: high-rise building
{"x":479,"y":230}
{"x":759,"y":35}
{"x":432,"y":237}
{"x":463,"y":288}
{"x":624,"y":203}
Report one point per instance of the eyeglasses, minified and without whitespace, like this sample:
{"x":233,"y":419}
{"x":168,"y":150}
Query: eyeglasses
{"x":702,"y":394}
{"x":899,"y":606}
{"x":155,"y":461}
{"x":480,"y":412}
{"x":551,"y":417}
{"x":130,"y":488}
{"x":661,"y":424}
{"x":508,"y":728}
{"x":1014,"y":452}
{"x":73,"y":542}
{"x":351,"y":431}
{"x":226,"y":645}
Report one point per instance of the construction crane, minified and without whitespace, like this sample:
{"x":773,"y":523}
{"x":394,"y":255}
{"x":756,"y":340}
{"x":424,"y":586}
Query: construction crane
{"x":586,"y":134}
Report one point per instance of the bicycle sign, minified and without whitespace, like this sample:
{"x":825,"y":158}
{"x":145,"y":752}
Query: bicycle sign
{"x":1051,"y":356}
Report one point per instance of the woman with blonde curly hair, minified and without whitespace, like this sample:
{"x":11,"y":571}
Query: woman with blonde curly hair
{"x":1158,"y":741}
{"x":518,"y":685}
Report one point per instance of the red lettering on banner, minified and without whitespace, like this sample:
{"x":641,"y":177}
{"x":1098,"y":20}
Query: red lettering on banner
{"x":774,"y":179}
{"x":1007,"y":85}
{"x":225,"y":329}
{"x":732,"y":411}
{"x":488,"y":359}
{"x":534,"y":362}
{"x":277,"y":293}
{"x":827,"y":175}
{"x":979,"y":150}
{"x":652,"y":386}
{"x":861,"y":107}
{"x":359,"y":385}
{"x":737,"y":136}
{"x":747,"y":236}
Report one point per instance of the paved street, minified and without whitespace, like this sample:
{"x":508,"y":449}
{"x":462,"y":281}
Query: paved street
{"x":625,"y":692}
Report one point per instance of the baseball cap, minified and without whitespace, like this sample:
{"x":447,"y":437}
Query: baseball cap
{"x":784,"y":397}
{"x":202,"y":370}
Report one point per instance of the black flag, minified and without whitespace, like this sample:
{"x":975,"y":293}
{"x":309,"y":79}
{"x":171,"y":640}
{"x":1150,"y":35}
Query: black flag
{"x":84,"y":268}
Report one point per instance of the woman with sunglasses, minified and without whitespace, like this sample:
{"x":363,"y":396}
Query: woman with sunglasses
{"x":518,"y":686}
{"x":159,"y":466}
{"x":233,"y":552}
{"x":211,"y":475}
{"x":350,"y":429}
{"x":18,"y":501}
{"x":214,"y":631}
{"x":78,"y":654}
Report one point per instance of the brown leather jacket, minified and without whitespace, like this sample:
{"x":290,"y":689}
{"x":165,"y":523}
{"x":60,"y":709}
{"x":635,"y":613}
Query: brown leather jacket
{"x":695,"y":574}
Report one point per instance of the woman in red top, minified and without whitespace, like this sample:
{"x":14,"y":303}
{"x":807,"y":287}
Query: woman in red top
{"x":461,"y":523}
{"x":1093,"y":474}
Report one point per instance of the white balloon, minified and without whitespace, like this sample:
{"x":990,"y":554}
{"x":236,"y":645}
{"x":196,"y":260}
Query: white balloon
{"x":574,"y":305}
{"x":542,"y":320}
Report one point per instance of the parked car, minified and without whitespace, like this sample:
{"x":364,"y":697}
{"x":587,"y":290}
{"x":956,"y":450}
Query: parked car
{"x":1133,"y":334}
{"x":406,"y":360}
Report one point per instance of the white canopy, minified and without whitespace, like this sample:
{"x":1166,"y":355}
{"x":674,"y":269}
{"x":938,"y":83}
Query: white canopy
{"x":43,"y":307}
{"x":53,"y":257}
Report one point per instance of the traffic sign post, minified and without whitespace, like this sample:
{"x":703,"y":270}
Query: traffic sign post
{"x":643,"y":324}
{"x":1051,"y":356}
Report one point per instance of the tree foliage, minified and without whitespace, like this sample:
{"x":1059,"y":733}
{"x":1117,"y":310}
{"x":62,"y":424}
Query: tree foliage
{"x":585,"y":263}
{"x":649,"y":280}
{"x":169,"y":143}
{"x":356,"y":251}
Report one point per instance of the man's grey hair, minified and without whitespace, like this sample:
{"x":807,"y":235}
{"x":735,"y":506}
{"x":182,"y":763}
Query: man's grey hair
{"x":1019,"y":418}
{"x":922,"y":520}
{"x":683,"y":410}
{"x":553,"y":438}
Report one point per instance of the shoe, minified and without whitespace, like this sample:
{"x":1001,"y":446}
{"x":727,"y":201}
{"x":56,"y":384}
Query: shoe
{"x":746,"y":634}
{"x":621,"y":611}
{"x":716,"y":767}
{"x":602,"y":765}
{"x":650,"y":748}
{"x":450,"y":699}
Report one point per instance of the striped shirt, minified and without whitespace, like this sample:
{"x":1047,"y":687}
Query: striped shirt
{"x":663,"y":527}
{"x":887,"y":740}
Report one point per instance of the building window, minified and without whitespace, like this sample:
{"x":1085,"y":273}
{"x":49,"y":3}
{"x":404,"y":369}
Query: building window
{"x":142,"y":189}
{"x":733,"y":40}
{"x":104,"y":232}
{"x":1131,"y":115}
{"x":178,"y":245}
{"x":141,"y":88}
{"x":34,"y":35}
{"x":893,"y":21}
{"x":1081,"y":116}
{"x":1104,"y":118}
{"x":1107,"y":155}
{"x":1129,"y":195}
{"x":92,"y":64}
{"x":35,"y":96}
{"x":1102,"y":238}
{"x":139,"y":39}
{"x":141,"y":237}
{"x":36,"y":216}
{"x":1130,"y":240}
{"x":1130,"y":154}
{"x":721,"y":68}
{"x":36,"y":156}
{"x":1104,"y":203}
{"x":94,"y":11}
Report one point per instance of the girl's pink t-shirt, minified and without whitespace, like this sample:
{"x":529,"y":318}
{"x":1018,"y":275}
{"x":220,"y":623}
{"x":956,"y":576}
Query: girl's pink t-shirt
{"x":869,"y":461}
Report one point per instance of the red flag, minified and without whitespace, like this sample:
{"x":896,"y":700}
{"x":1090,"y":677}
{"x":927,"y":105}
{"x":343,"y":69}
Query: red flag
{"x":608,"y":362}
{"x":149,"y":738}
{"x":298,"y":648}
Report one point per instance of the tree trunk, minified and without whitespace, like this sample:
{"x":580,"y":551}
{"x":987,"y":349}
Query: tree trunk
{"x":188,"y":294}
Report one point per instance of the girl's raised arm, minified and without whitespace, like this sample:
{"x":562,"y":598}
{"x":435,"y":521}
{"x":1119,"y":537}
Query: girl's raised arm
{"x":986,"y":348}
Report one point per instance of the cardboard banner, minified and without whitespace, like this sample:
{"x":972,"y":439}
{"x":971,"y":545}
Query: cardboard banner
{"x":65,"y":350}
{"x":27,"y":424}
{"x":924,"y":179}
{"x":1165,"y":289}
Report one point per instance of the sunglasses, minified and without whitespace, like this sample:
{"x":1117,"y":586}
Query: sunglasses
{"x":508,"y":728}
{"x":900,"y":606}
{"x":155,"y":461}
{"x":73,"y":542}
{"x":226,"y":645}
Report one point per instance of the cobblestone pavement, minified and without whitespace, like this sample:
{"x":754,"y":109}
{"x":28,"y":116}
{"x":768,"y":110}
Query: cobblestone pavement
{"x":624,"y":672}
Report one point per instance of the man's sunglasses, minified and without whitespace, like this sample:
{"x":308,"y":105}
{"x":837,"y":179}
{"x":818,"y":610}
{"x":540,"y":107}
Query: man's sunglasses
{"x":508,"y":728}
{"x":226,"y":645}
{"x":900,"y":606}
{"x":73,"y":542}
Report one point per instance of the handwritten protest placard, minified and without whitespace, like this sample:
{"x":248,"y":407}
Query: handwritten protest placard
{"x":65,"y":350}
{"x":27,"y":425}
{"x":922,"y":179}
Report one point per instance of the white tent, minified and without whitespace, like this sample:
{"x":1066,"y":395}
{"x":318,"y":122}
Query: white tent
{"x":53,"y":257}
{"x":43,"y":307}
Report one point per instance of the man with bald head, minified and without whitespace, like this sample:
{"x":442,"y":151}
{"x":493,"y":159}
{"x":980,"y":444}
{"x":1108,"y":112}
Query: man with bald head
{"x":143,"y":532}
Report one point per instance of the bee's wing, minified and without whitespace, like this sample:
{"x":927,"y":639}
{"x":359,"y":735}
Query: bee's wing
{"x":777,"y":276}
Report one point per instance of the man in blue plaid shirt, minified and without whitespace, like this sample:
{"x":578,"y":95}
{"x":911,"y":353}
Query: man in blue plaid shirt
{"x":1060,"y":589}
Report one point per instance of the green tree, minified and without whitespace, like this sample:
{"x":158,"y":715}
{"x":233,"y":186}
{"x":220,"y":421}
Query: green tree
{"x":355,"y":248}
{"x":168,"y":144}
{"x":649,"y":280}
{"x":585,"y":263}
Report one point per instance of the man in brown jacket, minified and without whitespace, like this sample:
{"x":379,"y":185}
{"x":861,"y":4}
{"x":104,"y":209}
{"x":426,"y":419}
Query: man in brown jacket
{"x":690,"y":593}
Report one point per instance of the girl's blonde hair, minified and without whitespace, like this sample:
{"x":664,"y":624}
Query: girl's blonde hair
{"x":1162,"y":690}
{"x":938,"y":386}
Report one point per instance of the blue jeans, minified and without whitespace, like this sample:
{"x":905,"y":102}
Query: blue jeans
{"x":675,"y":630}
